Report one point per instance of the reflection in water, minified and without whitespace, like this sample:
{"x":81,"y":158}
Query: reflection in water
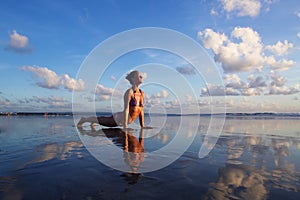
{"x":253,"y":159}
{"x":133,"y":148}
{"x":131,"y":144}
{"x":255,"y":165}
{"x":42,"y":154}
{"x":8,"y":189}
{"x":236,"y":182}
{"x":59,"y":151}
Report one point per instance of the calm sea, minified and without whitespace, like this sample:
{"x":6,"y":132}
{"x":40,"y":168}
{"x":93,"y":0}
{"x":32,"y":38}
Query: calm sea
{"x":252,"y":158}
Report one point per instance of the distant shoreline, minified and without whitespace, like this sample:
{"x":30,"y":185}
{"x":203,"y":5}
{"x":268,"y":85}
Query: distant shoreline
{"x":229,"y":115}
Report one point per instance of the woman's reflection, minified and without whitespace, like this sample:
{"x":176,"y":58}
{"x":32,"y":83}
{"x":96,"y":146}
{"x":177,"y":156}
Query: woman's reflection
{"x":133,"y":147}
{"x":133,"y":150}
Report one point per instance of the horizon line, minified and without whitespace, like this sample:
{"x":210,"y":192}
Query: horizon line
{"x":156,"y":114}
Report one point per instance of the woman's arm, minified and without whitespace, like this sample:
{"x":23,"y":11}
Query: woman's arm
{"x":127,"y":97}
{"x":141,"y":118}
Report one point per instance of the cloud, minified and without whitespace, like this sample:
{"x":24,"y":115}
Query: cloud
{"x":50,"y":80}
{"x":284,"y":90}
{"x":243,"y":8}
{"x":233,"y":81}
{"x":213,"y":90}
{"x":277,"y":80}
{"x":277,"y":85}
{"x":160,"y":95}
{"x":71,"y":83}
{"x":232,"y":92}
{"x":256,"y":82}
{"x":5,"y":102}
{"x":42,"y":104}
{"x":103,"y":93}
{"x":155,"y":99}
{"x":213,"y":12}
{"x":280,"y":48}
{"x":145,"y":75}
{"x":244,"y":55}
{"x":251,"y":92}
{"x":212,"y":40}
{"x":113,"y":78}
{"x":244,"y":50}
{"x":52,"y":100}
{"x":235,"y":86}
{"x":255,"y":85}
{"x":280,"y":65}
{"x":18,"y":43}
{"x":298,"y":35}
{"x":187,"y":70}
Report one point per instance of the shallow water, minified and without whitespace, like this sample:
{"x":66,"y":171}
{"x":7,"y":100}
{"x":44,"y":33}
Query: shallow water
{"x":45,"y":158}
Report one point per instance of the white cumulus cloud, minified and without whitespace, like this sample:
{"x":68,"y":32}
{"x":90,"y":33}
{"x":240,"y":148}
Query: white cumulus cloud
{"x":156,"y":98}
{"x":104,"y":93}
{"x":233,"y":81}
{"x":280,"y":65}
{"x":242,"y":8}
{"x":18,"y":43}
{"x":280,"y":48}
{"x":273,"y":84}
{"x":244,"y":50}
{"x":51,"y":80}
{"x":48,"y":78}
{"x":213,"y":90}
{"x":243,"y":55}
{"x":284,"y":90}
{"x":160,"y":95}
{"x":251,"y":92}
{"x":72,"y":84}
{"x":277,"y":80}
{"x":256,"y":82}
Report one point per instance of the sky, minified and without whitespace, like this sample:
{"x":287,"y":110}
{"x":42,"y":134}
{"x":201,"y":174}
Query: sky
{"x":254,"y":44}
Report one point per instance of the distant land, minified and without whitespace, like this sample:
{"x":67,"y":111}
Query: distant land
{"x":228,"y":115}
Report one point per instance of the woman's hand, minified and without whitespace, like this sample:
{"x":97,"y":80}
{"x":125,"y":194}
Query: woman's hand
{"x":147,"y":127}
{"x":126,"y":129}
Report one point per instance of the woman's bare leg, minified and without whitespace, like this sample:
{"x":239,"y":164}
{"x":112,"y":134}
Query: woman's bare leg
{"x":104,"y":121}
{"x":107,"y":121}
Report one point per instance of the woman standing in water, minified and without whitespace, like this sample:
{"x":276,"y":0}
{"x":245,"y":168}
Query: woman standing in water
{"x":133,"y":106}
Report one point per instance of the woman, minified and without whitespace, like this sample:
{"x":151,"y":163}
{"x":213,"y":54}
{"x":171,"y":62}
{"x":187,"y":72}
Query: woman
{"x":133,"y":106}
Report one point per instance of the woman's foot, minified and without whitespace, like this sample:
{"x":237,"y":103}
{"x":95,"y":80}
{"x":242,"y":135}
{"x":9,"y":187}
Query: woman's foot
{"x":81,"y":121}
{"x":93,"y":125}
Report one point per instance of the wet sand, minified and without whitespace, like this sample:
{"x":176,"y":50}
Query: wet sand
{"x":45,"y":158}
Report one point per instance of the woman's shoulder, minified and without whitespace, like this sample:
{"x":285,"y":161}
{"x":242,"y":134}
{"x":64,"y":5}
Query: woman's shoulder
{"x":142,"y":92}
{"x":129,"y":91}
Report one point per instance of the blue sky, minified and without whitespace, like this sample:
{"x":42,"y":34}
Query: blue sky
{"x":255,"y":44}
